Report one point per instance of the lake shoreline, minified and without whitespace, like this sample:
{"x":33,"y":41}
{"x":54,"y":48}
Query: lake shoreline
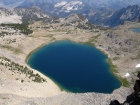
{"x":71,"y":41}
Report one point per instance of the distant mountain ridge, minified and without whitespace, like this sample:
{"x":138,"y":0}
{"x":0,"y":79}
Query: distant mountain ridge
{"x":98,"y":16}
{"x":62,"y":9}
{"x":36,"y":9}
{"x":65,"y":8}
{"x":22,"y":15}
{"x":114,"y":4}
{"x":97,"y":11}
{"x":130,"y":13}
{"x":69,"y":6}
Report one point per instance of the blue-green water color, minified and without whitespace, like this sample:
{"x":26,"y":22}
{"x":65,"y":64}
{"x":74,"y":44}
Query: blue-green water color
{"x":135,"y":30}
{"x":74,"y":67}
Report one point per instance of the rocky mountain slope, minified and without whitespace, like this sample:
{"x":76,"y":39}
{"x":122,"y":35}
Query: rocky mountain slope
{"x":99,"y":15}
{"x":33,"y":13}
{"x":19,"y":15}
{"x":121,"y":45}
{"x":7,"y":16}
{"x":60,"y":9}
{"x":114,"y":4}
{"x":94,"y":15}
{"x":77,"y":21}
{"x":65,"y":8}
{"x":126,"y":14}
{"x":98,"y":12}
{"x":75,"y":18}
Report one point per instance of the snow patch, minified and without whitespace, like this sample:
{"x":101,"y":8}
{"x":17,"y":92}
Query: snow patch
{"x":69,"y":6}
{"x":138,"y":65}
{"x":127,"y":75}
{"x":60,"y":4}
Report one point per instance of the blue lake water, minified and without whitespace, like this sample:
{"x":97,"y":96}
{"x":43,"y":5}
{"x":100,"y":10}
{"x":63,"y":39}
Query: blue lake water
{"x":74,"y":67}
{"x":135,"y":30}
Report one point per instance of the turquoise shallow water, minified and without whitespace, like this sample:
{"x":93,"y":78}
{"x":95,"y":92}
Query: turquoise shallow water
{"x":135,"y":30}
{"x":75,"y":67}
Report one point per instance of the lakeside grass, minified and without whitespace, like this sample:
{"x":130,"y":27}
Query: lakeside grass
{"x":114,"y":70}
{"x":15,"y":50}
{"x":113,"y":67}
{"x":124,"y":81}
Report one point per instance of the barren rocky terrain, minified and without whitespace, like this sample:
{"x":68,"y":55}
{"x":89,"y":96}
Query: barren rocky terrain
{"x":120,"y":44}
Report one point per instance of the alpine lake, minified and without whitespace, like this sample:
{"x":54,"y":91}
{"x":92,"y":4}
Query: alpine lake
{"x":135,"y":30}
{"x":74,"y":67}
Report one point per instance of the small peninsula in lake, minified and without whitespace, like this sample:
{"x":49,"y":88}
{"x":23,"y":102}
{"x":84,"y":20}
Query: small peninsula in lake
{"x":75,"y":67}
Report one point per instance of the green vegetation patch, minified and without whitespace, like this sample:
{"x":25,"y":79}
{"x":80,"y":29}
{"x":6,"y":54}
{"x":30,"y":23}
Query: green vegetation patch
{"x":5,"y":98}
{"x":114,"y":70}
{"x":138,"y":56}
{"x":124,"y":81}
{"x":113,"y":67}
{"x":21,"y":70}
{"x":22,"y":27}
{"x":15,"y":50}
{"x":22,"y":80}
{"x":116,"y":58}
